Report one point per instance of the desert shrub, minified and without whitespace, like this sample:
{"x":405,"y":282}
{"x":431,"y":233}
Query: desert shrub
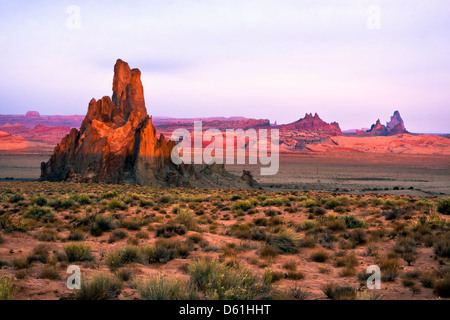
{"x":442,"y":288}
{"x":331,"y":204}
{"x":242,"y":206}
{"x":348,"y":260}
{"x":166,"y":288}
{"x":109,"y":195}
{"x":295,"y":275}
{"x":352,"y":221}
{"x":117,"y":235}
{"x":297,"y":293}
{"x":186,"y":218}
{"x":61,"y":203}
{"x":336,"y":292}
{"x":170,"y":229}
{"x":196,"y":238}
{"x":270,"y":276}
{"x":285,"y":241}
{"x":258,"y":234}
{"x":123,"y":274}
{"x":99,"y":287}
{"x":427,"y":279}
{"x":7,"y":288}
{"x":16,"y":197}
{"x":165,"y":250}
{"x":277,"y":201}
{"x":146,"y":203}
{"x":241,"y":231}
{"x":47,"y":235}
{"x":319,"y":256}
{"x":119,"y":257}
{"x":115,"y":204}
{"x":101,"y":223}
{"x":389,"y":268}
{"x":39,"y":200}
{"x":358,"y":236}
{"x":336,"y":225}
{"x":21,"y":262}
{"x":76,"y":235}
{"x":223,"y":282}
{"x":36,"y":212}
{"x":132,"y":223}
{"x":308,"y":224}
{"x":319,"y":211}
{"x":275,"y":221}
{"x":442,"y":247}
{"x":444,"y":206}
{"x":290,"y":265}
{"x":40,"y":253}
{"x":269,"y":252}
{"x":49,"y":272}
{"x":261,"y":222}
{"x":347,"y":272}
{"x":83,"y":199}
{"x":309,"y":203}
{"x":9,"y":224}
{"x":78,"y":252}
{"x":393,"y":214}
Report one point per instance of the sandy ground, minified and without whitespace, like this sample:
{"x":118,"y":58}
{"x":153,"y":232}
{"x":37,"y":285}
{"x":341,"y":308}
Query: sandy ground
{"x":428,"y":175}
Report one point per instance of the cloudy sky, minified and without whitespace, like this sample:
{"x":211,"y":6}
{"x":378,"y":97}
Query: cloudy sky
{"x":350,"y":61}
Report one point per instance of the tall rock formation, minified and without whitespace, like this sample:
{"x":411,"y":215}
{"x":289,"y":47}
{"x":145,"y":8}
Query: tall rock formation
{"x":393,"y":127}
{"x":117,"y":143}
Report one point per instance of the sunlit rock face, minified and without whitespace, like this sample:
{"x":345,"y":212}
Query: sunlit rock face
{"x":393,"y":127}
{"x":117,"y":143}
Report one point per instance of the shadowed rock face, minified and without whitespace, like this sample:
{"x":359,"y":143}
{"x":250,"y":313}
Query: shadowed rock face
{"x":117,"y":143}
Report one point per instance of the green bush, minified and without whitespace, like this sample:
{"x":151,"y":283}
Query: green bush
{"x":442,"y":247}
{"x":7,"y":288}
{"x":223,"y":282}
{"x":285,"y":241}
{"x":115,"y":204}
{"x":100,"y":224}
{"x":352,"y":221}
{"x":78,"y":252}
{"x":39,"y":200}
{"x":444,"y":206}
{"x":243,"y":205}
{"x":99,"y":287}
{"x":36,"y":212}
{"x":164,"y":288}
{"x":119,"y":257}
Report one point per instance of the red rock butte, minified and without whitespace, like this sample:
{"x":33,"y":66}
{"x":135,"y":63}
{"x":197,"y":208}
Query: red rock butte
{"x":117,"y":143}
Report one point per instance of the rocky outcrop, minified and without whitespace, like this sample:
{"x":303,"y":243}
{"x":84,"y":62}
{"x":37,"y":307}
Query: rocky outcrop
{"x":393,"y":127}
{"x":33,"y":115}
{"x":313,"y":123}
{"x":117,"y":143}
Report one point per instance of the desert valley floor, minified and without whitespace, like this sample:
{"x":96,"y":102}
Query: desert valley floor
{"x":284,"y":242}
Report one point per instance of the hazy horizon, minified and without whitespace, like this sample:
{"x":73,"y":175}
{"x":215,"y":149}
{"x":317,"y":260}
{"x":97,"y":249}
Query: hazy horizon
{"x":272,"y":60}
